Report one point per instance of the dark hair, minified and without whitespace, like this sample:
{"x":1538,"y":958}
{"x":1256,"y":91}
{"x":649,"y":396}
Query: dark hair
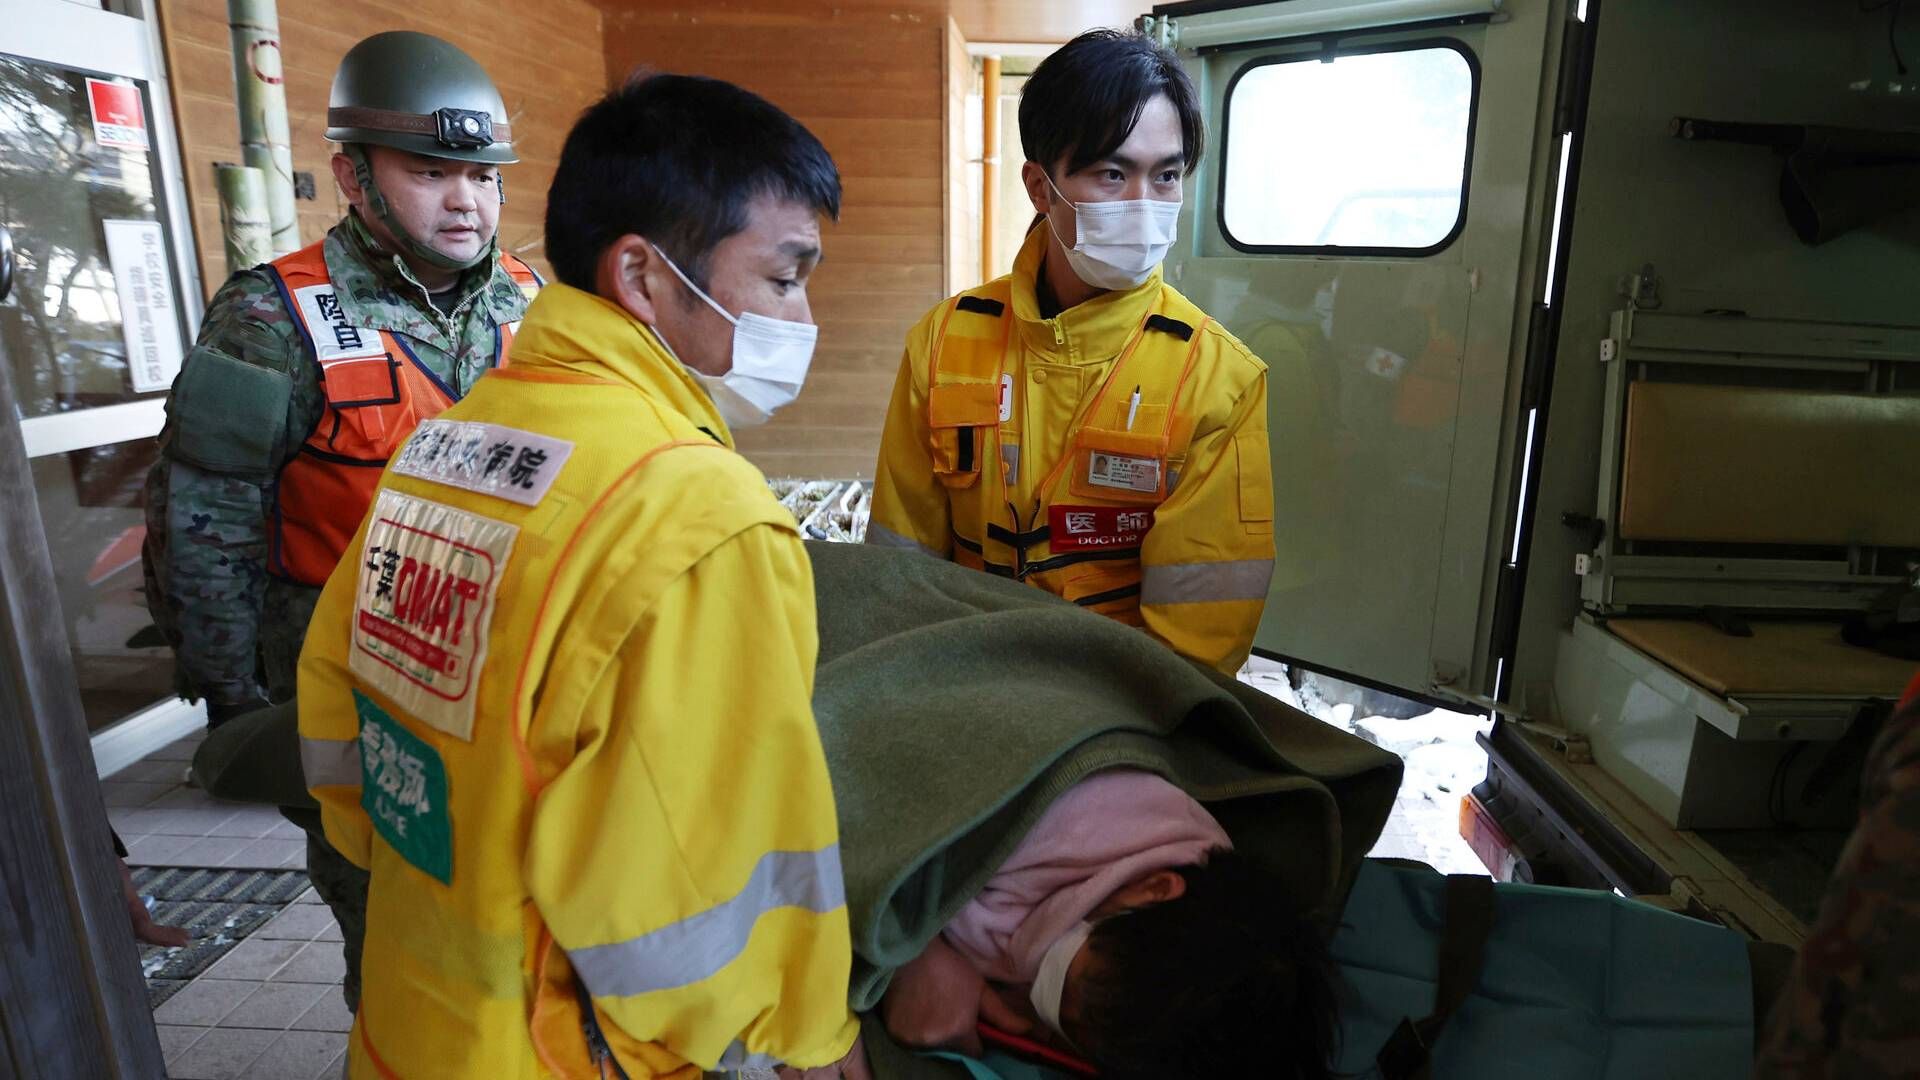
{"x":677,"y":159}
{"x":1227,"y":980}
{"x":1084,"y":99}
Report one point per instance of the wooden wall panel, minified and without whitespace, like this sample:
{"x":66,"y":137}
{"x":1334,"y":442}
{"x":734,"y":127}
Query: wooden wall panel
{"x":547,"y":58}
{"x":869,"y":79}
{"x":963,"y":207}
{"x":1001,"y":21}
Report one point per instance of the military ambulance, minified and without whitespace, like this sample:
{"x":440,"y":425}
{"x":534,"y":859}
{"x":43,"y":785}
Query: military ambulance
{"x":1595,"y":400}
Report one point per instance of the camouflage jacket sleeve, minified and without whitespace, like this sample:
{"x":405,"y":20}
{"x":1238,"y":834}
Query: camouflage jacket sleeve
{"x":1852,"y":1005}
{"x":245,"y":399}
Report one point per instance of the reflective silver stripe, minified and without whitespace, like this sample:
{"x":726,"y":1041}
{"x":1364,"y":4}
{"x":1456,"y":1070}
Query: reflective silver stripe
{"x":1192,"y":583}
{"x":881,"y":536}
{"x":699,"y":946}
{"x":737,"y":1057}
{"x":330,"y":762}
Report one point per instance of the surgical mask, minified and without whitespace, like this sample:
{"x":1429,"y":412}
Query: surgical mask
{"x":770,"y":362}
{"x":1050,"y":983}
{"x":1117,"y":244}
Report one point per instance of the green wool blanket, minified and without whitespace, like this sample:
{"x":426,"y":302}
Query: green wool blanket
{"x":955,"y":706}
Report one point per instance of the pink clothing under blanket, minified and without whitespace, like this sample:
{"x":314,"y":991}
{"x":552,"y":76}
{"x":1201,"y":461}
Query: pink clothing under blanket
{"x":1108,"y":831}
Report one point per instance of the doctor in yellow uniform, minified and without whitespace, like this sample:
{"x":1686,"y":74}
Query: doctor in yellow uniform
{"x":1079,"y":425}
{"x":597,"y":849}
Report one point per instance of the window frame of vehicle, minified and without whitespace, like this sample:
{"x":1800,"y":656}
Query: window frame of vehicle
{"x":1331,"y":51}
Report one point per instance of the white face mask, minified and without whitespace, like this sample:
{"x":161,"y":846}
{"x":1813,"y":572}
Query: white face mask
{"x":1117,"y":244}
{"x":1050,"y":983}
{"x":770,"y":362}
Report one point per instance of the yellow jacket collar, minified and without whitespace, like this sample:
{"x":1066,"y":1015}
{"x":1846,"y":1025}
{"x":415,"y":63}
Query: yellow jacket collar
{"x":571,"y":332}
{"x":1089,"y":332}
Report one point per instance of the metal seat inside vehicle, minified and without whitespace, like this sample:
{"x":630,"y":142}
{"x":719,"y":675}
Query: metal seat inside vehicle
{"x":1757,"y":489}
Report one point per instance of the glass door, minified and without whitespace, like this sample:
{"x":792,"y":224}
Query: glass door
{"x":96,"y":323}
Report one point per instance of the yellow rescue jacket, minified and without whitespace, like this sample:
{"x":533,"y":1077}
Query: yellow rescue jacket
{"x":1114,"y":455}
{"x":556,"y":700}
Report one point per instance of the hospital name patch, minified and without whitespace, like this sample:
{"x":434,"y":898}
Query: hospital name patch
{"x":403,"y":789}
{"x":428,"y":580}
{"x":507,"y":463}
{"x":1074,"y":528}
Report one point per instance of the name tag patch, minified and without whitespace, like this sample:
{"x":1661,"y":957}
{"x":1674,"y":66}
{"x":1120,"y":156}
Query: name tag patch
{"x":507,"y":463}
{"x":403,"y":788}
{"x":1006,"y":397}
{"x":333,"y":338}
{"x":1125,"y":473}
{"x":1071,"y":528}
{"x":428,"y":578}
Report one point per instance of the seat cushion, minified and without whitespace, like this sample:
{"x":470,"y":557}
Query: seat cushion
{"x":1764,"y":466}
{"x":1780,"y":658}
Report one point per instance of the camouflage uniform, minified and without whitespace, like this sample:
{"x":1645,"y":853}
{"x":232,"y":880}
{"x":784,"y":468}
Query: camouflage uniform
{"x":1852,"y":1005}
{"x":246,"y":399}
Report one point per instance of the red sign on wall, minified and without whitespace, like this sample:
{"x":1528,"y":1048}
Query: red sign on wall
{"x":119,"y":118}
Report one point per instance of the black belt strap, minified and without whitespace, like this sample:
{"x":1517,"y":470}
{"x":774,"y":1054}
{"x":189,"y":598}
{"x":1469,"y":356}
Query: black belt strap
{"x":1408,"y":1053}
{"x":1002,"y":534}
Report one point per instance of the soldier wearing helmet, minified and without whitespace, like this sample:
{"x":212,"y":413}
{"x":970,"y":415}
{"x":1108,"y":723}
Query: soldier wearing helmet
{"x":311,"y":371}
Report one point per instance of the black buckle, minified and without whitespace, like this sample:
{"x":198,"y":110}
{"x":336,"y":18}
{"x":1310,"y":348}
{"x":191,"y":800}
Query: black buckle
{"x":464,"y":129}
{"x":1405,"y":1055}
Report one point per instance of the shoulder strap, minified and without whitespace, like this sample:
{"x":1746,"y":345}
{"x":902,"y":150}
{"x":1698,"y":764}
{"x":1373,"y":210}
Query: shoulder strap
{"x":1408,"y":1053}
{"x":1177,"y":310}
{"x":522,"y":274}
{"x":302,"y":268}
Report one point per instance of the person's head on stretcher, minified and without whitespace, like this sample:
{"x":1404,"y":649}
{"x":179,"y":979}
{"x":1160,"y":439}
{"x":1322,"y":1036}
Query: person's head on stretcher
{"x":1126,"y":933}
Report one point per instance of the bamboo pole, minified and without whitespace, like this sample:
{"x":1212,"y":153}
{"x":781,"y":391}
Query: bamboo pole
{"x":989,"y":161}
{"x":244,"y":221}
{"x":262,"y":97}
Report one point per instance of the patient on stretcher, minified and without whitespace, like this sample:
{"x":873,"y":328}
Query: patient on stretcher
{"x":1125,"y":931}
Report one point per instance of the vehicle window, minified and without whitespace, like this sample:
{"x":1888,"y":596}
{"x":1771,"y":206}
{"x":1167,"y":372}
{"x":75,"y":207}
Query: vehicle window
{"x":1364,"y":151}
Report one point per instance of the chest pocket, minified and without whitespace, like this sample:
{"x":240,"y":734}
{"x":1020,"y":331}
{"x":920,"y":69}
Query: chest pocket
{"x":365,"y":395}
{"x":963,"y":398}
{"x":1116,"y":463}
{"x":960,"y":422}
{"x":356,"y":384}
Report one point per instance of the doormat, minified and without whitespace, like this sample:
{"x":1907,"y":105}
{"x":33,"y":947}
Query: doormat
{"x":221,"y":908}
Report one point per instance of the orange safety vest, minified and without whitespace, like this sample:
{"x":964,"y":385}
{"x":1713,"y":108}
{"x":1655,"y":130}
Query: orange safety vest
{"x":1080,"y":537}
{"x":377,"y":392}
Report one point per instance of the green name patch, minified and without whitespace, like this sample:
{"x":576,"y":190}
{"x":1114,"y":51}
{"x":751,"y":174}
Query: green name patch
{"x":403,"y":788}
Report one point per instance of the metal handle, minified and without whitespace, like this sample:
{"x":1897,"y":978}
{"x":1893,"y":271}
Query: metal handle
{"x":6,"y":263}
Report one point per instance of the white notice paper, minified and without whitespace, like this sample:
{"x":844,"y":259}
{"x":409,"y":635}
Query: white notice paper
{"x":148,"y":319}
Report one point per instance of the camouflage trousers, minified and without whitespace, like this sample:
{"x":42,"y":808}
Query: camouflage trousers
{"x":256,"y":758}
{"x":1851,"y":1007}
{"x":344,"y":887}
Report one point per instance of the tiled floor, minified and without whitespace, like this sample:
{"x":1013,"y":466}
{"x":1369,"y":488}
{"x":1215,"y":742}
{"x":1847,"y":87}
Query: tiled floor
{"x":270,"y":1009}
{"x":166,"y":823}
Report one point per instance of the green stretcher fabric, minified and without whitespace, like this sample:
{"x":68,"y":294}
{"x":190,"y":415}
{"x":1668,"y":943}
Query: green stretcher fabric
{"x":1576,"y":985}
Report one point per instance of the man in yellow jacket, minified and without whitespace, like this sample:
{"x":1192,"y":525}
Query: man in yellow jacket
{"x":1079,"y":425}
{"x":556,"y":698}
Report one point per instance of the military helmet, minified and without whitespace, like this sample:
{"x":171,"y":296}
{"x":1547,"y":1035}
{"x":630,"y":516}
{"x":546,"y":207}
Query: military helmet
{"x":417,"y":93}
